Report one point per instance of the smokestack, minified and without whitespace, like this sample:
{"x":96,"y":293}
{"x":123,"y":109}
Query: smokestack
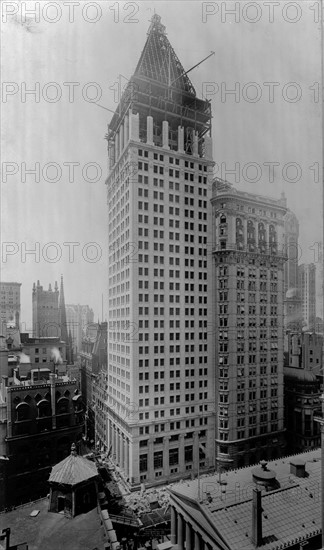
{"x":52,"y":383}
{"x":257,"y":517}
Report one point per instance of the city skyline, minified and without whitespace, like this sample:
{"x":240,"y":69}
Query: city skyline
{"x":58,"y":132}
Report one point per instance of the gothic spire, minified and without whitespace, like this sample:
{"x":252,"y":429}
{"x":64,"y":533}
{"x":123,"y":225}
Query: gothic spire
{"x":63,"y":323}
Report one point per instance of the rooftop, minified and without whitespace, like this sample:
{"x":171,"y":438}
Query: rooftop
{"x":73,"y":470}
{"x":290,"y":512}
{"x":51,"y":531}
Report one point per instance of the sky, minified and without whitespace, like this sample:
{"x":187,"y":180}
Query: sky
{"x":77,"y":57}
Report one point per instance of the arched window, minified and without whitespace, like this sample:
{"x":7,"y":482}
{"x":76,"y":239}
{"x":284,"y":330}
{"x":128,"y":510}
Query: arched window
{"x":63,"y":406}
{"x":23,"y":411}
{"x":44,"y":408}
{"x":222,"y":218}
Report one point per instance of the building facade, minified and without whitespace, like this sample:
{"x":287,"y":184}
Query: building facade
{"x":307,"y":289}
{"x":46,"y":317}
{"x":161,"y":390}
{"x":249,"y":261}
{"x":9,"y":306}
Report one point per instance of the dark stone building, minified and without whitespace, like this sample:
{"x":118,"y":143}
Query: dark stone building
{"x":39,"y":423}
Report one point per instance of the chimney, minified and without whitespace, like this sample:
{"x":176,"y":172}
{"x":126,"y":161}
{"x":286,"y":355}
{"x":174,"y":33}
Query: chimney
{"x":297,"y":468}
{"x":257,"y":517}
{"x":52,"y":383}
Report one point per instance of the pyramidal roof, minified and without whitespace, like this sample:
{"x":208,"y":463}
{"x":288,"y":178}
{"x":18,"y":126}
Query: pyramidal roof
{"x":73,"y":470}
{"x":159,"y":61}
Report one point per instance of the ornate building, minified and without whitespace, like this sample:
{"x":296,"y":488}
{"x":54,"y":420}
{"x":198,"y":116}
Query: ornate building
{"x":249,"y":260}
{"x":161,"y":389}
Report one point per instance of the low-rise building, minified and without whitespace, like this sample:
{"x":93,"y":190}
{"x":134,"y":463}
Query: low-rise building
{"x":40,"y":417}
{"x":273,"y":506}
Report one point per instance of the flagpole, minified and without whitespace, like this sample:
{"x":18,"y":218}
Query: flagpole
{"x":198,"y":478}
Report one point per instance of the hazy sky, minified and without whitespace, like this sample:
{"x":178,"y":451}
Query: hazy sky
{"x":270,"y":120}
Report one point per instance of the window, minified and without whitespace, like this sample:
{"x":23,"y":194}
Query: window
{"x":173,"y":457}
{"x":158,"y":459}
{"x":143,"y":463}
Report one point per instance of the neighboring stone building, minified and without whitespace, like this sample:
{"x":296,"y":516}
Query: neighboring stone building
{"x":39,"y":422}
{"x":272,"y":506}
{"x":161,"y":389}
{"x":9,"y":306}
{"x":249,"y":261}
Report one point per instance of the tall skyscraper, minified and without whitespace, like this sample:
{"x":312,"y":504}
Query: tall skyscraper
{"x":46,"y":317}
{"x":307,"y":289}
{"x":292,"y":303}
{"x":161,"y":388}
{"x":9,"y":306}
{"x":249,"y":259}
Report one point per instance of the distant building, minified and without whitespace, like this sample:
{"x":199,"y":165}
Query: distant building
{"x":46,"y":352}
{"x":249,"y":257}
{"x":319,"y":325}
{"x":9,"y":306}
{"x":272,"y":506}
{"x":78,"y":318}
{"x":93,"y":359}
{"x":41,"y":417}
{"x":307,"y":289}
{"x":304,"y":350}
{"x":46,"y":316}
